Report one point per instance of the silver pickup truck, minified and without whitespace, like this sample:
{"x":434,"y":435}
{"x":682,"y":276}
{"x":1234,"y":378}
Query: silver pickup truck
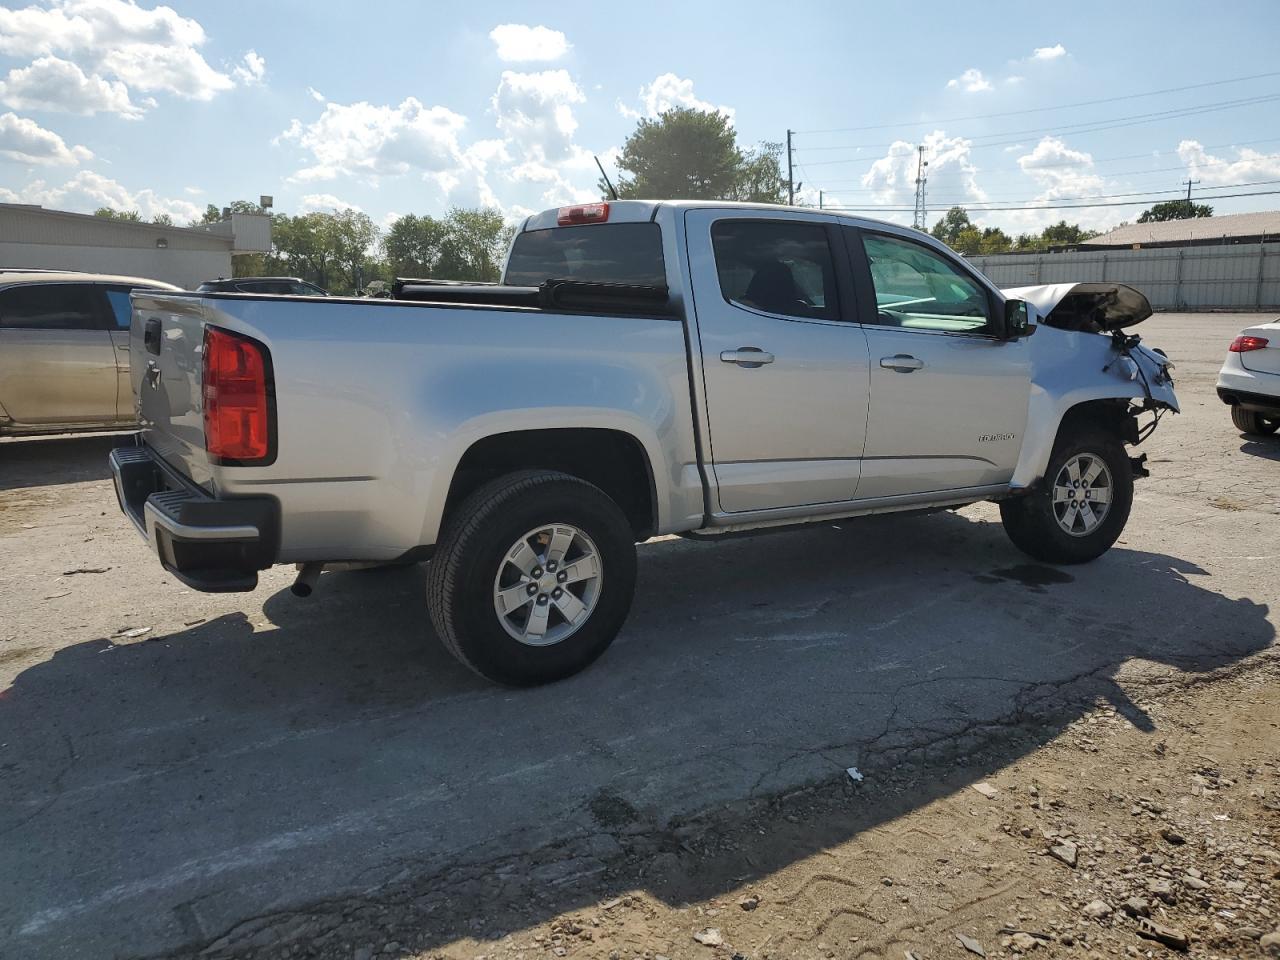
{"x":645,"y":368}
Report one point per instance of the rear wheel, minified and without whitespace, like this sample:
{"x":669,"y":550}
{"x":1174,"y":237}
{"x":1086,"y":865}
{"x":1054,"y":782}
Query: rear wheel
{"x":1082,"y":506}
{"x":1251,"y":421}
{"x":533,"y":578}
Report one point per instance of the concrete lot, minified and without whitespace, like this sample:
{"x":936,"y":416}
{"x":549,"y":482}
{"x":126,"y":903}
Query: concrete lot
{"x":249,"y":753}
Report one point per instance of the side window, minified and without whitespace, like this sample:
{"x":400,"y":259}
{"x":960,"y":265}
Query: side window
{"x":50,"y":306}
{"x":778,"y":266}
{"x":920,"y":289}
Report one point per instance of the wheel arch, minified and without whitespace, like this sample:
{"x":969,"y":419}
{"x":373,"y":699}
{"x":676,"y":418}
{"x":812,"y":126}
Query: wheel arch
{"x":614,"y":460}
{"x":1110,"y":412}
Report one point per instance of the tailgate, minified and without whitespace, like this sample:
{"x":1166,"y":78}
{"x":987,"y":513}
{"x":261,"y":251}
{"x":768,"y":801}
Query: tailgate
{"x":166,"y":341}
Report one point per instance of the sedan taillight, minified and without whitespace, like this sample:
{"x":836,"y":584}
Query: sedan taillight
{"x":1245,"y":344}
{"x":239,"y":409}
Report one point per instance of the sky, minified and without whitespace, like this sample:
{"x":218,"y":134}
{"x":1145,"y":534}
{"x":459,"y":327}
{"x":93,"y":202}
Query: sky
{"x":413,"y":107}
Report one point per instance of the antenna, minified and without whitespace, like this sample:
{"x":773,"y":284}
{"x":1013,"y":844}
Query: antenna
{"x":920,"y":217}
{"x":607,"y":181}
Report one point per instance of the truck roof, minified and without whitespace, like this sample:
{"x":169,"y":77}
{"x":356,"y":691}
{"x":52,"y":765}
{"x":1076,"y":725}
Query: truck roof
{"x":635,"y":211}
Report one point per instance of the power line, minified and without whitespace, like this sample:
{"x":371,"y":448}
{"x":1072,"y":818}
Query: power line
{"x":1051,"y":206}
{"x":1063,"y":106}
{"x":1148,"y":194}
{"x":1136,"y":156}
{"x":1092,"y":127}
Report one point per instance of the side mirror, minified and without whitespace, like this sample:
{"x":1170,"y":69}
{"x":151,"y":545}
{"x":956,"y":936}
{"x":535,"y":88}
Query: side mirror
{"x":1017,"y":320}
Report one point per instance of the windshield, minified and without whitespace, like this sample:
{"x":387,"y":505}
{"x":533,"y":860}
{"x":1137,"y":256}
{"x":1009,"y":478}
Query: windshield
{"x":598,"y":253}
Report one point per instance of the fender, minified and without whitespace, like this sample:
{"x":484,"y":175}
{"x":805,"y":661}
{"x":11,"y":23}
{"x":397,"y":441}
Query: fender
{"x":1071,"y":367}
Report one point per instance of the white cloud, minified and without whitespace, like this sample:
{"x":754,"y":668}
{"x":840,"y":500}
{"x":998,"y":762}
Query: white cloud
{"x":316,"y":95}
{"x":1061,"y":171}
{"x":971,"y":81}
{"x":951,"y":171}
{"x":26,"y":141}
{"x":1049,"y":53}
{"x":325,"y":202}
{"x":668,"y":91}
{"x":149,"y":50}
{"x":1013,"y":79}
{"x":1248,"y":165}
{"x":51,"y":83}
{"x":251,"y":70}
{"x":87,"y":191}
{"x":535,"y":112}
{"x":363,"y":139}
{"x":518,"y":43}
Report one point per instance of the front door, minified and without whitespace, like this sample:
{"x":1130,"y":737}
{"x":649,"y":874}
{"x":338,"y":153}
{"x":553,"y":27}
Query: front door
{"x":57,"y":362}
{"x":785,"y":374}
{"x":948,"y":397}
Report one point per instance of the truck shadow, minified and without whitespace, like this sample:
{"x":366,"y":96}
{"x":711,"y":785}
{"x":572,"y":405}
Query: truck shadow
{"x":339,"y":750}
{"x":41,"y":461}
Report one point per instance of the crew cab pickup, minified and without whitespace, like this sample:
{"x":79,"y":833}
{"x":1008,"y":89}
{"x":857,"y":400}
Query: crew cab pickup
{"x":644,"y":368}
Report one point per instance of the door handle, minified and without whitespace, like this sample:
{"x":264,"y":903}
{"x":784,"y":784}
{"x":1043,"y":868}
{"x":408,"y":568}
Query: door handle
{"x":749,"y":357}
{"x":901,"y":362}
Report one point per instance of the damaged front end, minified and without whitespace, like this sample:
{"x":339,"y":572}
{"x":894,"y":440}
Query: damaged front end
{"x":1084,"y":363}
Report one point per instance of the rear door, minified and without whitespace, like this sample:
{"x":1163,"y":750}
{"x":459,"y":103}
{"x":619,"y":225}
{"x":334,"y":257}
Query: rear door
{"x":948,"y":397}
{"x":57,"y":363}
{"x":785,"y":370}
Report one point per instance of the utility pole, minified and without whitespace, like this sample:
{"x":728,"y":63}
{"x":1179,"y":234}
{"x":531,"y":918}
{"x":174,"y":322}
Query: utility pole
{"x":1189,"y":182}
{"x":920,"y":218}
{"x":791,"y":190}
{"x":819,"y":199}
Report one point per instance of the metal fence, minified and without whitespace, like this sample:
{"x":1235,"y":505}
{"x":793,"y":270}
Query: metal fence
{"x":1236,"y":277}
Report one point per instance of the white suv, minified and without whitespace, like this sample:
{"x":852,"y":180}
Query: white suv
{"x":1249,"y":381}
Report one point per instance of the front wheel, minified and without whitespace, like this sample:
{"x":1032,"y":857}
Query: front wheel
{"x":1251,"y":421}
{"x":533,"y":577}
{"x":1081,"y":508}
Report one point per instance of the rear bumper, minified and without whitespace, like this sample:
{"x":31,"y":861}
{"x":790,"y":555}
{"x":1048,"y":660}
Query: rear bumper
{"x":210,"y":544}
{"x":1261,"y":402}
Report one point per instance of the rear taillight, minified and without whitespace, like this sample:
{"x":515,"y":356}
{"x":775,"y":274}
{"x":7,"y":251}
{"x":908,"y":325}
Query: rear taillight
{"x":582,"y":213}
{"x":1245,"y":344}
{"x":239,"y":427}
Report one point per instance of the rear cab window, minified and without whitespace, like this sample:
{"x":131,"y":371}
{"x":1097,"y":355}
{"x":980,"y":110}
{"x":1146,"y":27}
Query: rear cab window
{"x":592,"y":253}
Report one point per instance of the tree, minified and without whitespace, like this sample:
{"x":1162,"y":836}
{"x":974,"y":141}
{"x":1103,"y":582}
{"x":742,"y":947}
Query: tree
{"x":694,"y":155}
{"x":213,"y":213}
{"x":760,"y":178}
{"x":413,"y":244}
{"x":1065,"y":234}
{"x":1175,"y":210}
{"x":463,"y":245}
{"x":107,"y":213}
{"x":353,"y":235}
{"x":162,"y":220}
{"x":948,"y":228}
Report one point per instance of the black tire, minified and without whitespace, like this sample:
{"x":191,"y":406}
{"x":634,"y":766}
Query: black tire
{"x":461,"y":575}
{"x":1031,"y":521}
{"x":1251,"y":421}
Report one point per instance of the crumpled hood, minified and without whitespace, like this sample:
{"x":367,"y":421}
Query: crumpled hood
{"x":1096,"y":307}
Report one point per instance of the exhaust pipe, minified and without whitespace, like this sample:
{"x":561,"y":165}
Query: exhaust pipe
{"x":308,"y":574}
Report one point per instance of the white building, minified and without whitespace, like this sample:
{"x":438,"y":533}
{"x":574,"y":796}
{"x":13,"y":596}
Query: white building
{"x":31,"y":236}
